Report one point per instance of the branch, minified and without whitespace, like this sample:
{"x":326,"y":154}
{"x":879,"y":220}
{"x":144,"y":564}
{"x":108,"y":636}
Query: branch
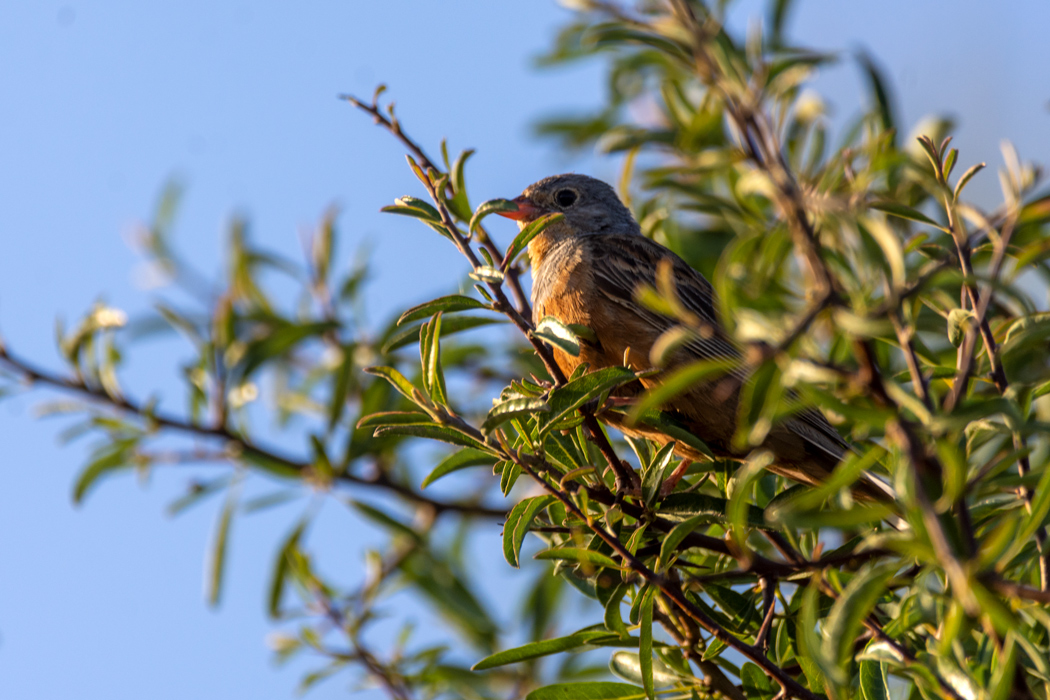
{"x":232,"y":439}
{"x":392,"y":125}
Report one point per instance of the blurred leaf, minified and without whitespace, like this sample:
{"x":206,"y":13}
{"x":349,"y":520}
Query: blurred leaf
{"x":282,"y":568}
{"x":905,"y":212}
{"x":385,"y":520}
{"x":219,"y":546}
{"x":847,"y":614}
{"x":879,"y":91}
{"x":959,"y":321}
{"x":678,"y":382}
{"x":114,"y":457}
{"x":279,"y":342}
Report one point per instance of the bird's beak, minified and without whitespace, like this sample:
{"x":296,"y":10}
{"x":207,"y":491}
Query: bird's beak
{"x":526,"y":211}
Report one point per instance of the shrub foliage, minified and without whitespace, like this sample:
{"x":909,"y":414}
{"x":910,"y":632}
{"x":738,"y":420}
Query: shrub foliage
{"x":854,"y":267}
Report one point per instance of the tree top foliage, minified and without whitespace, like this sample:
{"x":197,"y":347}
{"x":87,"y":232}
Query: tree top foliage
{"x":854,"y":269}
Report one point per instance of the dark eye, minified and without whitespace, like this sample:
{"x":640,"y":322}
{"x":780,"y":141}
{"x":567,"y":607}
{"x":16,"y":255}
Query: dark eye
{"x":565,"y":198}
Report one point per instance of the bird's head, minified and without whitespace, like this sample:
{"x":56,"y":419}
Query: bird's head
{"x":589,"y":206}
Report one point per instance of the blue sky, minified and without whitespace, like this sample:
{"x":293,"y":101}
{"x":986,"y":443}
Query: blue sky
{"x":104,"y":102}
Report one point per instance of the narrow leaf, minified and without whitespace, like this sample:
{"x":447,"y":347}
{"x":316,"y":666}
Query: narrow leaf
{"x":525,"y":236}
{"x":596,"y":690}
{"x":463,"y":459}
{"x":545,"y":647}
{"x":492,"y":206}
{"x":448,"y":304}
{"x":556,"y":333}
{"x":517,"y":526}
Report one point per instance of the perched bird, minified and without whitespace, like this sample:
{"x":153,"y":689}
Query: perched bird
{"x":586,"y":270}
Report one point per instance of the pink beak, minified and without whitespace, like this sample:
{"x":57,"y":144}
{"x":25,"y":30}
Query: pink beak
{"x":526,"y":210}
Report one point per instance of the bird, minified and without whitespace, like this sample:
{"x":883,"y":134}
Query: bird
{"x":587,"y":268}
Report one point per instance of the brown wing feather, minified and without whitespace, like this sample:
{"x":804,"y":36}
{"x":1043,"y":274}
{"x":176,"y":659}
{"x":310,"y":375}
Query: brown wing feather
{"x":621,"y":263}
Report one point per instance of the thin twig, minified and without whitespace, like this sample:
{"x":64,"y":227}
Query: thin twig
{"x":239,"y":443}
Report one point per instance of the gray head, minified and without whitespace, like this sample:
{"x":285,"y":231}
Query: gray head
{"x":590,"y":206}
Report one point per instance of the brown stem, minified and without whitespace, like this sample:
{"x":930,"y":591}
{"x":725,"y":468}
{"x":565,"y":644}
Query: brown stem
{"x":513,"y":273}
{"x":672,"y":591}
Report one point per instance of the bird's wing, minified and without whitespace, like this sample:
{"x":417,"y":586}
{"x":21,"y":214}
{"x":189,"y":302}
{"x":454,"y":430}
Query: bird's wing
{"x":622,"y":263}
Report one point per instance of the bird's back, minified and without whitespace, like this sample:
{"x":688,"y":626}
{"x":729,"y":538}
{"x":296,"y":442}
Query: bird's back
{"x":592,"y":280}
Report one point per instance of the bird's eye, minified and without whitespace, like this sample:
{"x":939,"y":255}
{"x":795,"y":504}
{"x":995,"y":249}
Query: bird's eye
{"x":565,"y":198}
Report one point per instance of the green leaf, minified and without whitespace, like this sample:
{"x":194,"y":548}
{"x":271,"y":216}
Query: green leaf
{"x":877,"y":84}
{"x":525,"y":236}
{"x":874,"y":683}
{"x":556,"y":333}
{"x":463,"y":459}
{"x":517,"y":526}
{"x":628,"y":666}
{"x":674,"y":538}
{"x":282,"y":567}
{"x":385,"y":520}
{"x":344,"y":377}
{"x":679,"y":381}
{"x":430,"y":351}
{"x":267,"y":463}
{"x":847,"y":614}
{"x":413,"y":206}
{"x":513,"y":408}
{"x":670,"y":426}
{"x":396,"y":379}
{"x":219,"y":546}
{"x":279,"y":342}
{"x":460,"y":204}
{"x":738,"y":490}
{"x":394,"y":418}
{"x":656,"y":473}
{"x":448,"y":304}
{"x":612,"y":618}
{"x":959,"y":321}
{"x":903,"y":212}
{"x":645,"y":643}
{"x":756,"y":684}
{"x":431,"y":432}
{"x":814,"y":665}
{"x":456,"y":324}
{"x":545,"y":647}
{"x":114,"y":457}
{"x":487,"y":273}
{"x":682,"y":506}
{"x":965,"y":178}
{"x":578,"y":555}
{"x":566,"y":399}
{"x":451,"y":595}
{"x":595,"y":690}
{"x":492,"y":206}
